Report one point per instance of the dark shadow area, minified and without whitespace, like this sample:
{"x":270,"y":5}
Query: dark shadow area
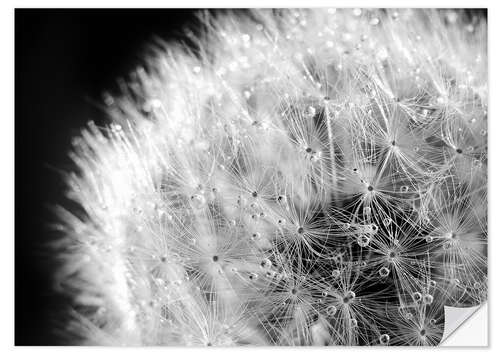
{"x":64,"y":60}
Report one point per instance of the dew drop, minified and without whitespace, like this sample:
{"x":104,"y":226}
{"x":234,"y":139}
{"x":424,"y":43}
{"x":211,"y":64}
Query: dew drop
{"x":311,"y":111}
{"x":241,"y":201}
{"x":383,"y":272}
{"x":384,"y":339}
{"x":349,"y":297}
{"x":417,"y":296}
{"x":266,"y":264}
{"x":403,"y":189}
{"x":363,"y":240}
{"x":331,"y":310}
{"x":255,"y":236}
{"x":281,"y":199}
{"x":387,"y":221}
{"x":198,"y":201}
{"x":335,"y":273}
{"x":428,"y":299}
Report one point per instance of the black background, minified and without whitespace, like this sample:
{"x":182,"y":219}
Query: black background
{"x":64,"y":60}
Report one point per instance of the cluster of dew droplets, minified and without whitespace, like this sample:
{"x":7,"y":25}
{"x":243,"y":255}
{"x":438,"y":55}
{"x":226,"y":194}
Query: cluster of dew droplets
{"x":299,"y":195}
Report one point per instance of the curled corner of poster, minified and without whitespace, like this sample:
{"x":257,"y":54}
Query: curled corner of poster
{"x":466,"y":327}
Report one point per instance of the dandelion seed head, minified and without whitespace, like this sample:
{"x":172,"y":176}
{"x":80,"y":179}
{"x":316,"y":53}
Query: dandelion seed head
{"x":309,"y":177}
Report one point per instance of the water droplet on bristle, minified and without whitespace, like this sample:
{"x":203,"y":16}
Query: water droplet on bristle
{"x":384,"y":339}
{"x":198,"y":201}
{"x":311,"y":111}
{"x":335,"y":273}
{"x":266,"y":264}
{"x":363,"y":240}
{"x":331,"y":310}
{"x":383,"y":272}
{"x":428,"y":299}
{"x":255,"y":236}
